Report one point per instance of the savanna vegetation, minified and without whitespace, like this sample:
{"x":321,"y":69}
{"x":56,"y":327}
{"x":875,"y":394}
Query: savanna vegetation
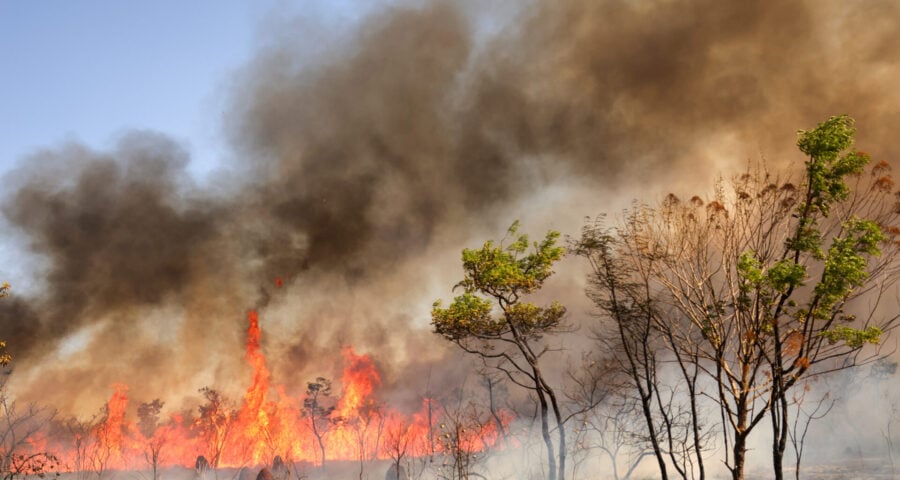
{"x":712,"y":316}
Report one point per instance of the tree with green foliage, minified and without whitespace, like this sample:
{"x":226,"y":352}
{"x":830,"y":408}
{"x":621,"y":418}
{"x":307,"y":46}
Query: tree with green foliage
{"x":842,"y":252}
{"x":769,"y":282}
{"x":490,"y":319}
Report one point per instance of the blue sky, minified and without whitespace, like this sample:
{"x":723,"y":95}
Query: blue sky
{"x":90,"y":70}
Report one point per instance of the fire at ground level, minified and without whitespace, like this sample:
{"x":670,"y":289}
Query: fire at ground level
{"x":349,"y":433}
{"x":425,"y":468}
{"x":267,"y":425}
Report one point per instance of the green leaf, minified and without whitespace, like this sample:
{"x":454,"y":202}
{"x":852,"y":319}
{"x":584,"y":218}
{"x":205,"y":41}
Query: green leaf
{"x":852,"y":337}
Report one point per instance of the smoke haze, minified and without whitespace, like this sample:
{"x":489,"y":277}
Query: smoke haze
{"x":358,"y":174}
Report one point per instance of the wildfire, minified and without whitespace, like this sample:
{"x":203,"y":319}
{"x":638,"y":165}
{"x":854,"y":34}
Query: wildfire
{"x":268,"y":423}
{"x":360,"y":380}
{"x":253,"y":419}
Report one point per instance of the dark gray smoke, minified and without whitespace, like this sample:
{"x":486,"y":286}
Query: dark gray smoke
{"x":360,"y":175}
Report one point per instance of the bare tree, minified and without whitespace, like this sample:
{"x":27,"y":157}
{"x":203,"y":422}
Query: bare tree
{"x":883,"y":371}
{"x":78,"y":433}
{"x":616,"y":431}
{"x":593,"y":382}
{"x":462,"y":434}
{"x":368,"y":426}
{"x":19,"y":428}
{"x":636,"y":331}
{"x":104,"y":445}
{"x":799,"y":429}
{"x":397,"y":445}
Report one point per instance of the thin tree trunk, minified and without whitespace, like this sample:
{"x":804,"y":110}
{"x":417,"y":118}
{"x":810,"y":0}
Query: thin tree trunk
{"x":740,"y":452}
{"x":654,"y":441}
{"x":561,"y":430}
{"x":779,"y":415}
{"x":545,"y":431}
{"x":322,"y":451}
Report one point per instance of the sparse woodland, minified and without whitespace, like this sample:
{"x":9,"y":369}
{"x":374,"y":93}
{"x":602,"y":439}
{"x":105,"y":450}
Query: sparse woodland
{"x":713,"y":316}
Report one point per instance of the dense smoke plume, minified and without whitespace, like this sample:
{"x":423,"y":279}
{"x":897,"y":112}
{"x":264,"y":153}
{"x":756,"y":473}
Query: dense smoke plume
{"x":359,"y":174}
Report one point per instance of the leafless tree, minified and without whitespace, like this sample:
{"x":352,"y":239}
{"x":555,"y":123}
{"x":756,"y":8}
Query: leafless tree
{"x":19,"y":427}
{"x":397,"y":444}
{"x":803,"y":418}
{"x":637,"y":333}
{"x":78,"y":433}
{"x":368,"y":426}
{"x":103,"y":444}
{"x":461,"y":435}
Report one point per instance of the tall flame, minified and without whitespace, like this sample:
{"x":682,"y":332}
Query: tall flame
{"x":253,"y":419}
{"x":268,"y":423}
{"x":360,"y":379}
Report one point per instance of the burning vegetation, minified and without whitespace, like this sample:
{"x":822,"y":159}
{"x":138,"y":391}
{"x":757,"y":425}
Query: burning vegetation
{"x":720,"y":323}
{"x":712,"y":317}
{"x":267,"y":427}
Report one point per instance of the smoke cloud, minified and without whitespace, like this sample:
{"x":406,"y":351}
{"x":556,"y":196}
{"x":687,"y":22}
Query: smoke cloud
{"x":357,"y":176}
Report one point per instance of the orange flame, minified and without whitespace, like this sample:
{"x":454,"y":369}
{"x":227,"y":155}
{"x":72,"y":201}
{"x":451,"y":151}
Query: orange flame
{"x":360,"y":380}
{"x":269,"y":422}
{"x":253,"y":419}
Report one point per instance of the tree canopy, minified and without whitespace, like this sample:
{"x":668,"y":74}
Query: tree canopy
{"x":497,"y":277}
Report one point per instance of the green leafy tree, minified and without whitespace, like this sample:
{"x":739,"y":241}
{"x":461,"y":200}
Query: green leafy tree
{"x":842,"y":251}
{"x":769,"y":282}
{"x":490,"y":319}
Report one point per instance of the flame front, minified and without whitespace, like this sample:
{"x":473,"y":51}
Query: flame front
{"x":268,"y":423}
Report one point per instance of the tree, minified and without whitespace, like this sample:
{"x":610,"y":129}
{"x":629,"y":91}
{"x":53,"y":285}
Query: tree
{"x":800,"y":430}
{"x":214,"y":424}
{"x":396,"y":446}
{"x":318,"y":409}
{"x":154,"y":437}
{"x":367,"y":426}
{"x":608,"y":423}
{"x":79,"y":433}
{"x":760,"y":286}
{"x":105,"y":440}
{"x":635,"y":333}
{"x":500,"y":276}
{"x":19,"y":428}
{"x":844,"y":239}
{"x":463,"y":444}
